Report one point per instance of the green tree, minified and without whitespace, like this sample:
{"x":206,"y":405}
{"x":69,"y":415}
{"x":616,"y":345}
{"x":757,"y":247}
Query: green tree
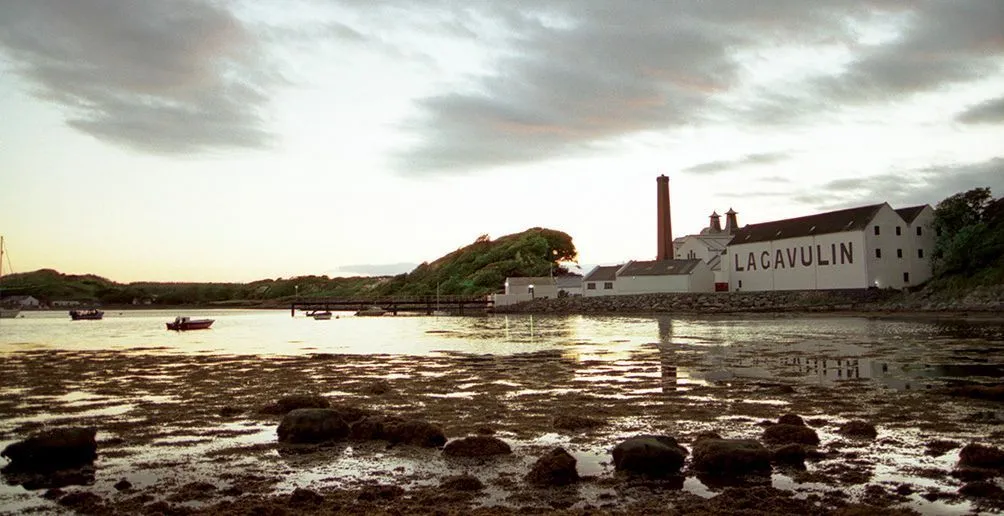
{"x":970,"y":229}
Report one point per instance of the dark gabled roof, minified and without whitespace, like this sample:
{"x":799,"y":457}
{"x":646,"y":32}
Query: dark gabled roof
{"x":568,"y":281}
{"x":603,"y":273}
{"x":659,"y":268}
{"x":839,"y":221}
{"x":910,"y":214}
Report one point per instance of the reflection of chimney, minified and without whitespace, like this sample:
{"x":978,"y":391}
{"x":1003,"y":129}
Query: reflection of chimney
{"x":664,"y":222}
{"x":716,"y":223}
{"x":731,"y":225}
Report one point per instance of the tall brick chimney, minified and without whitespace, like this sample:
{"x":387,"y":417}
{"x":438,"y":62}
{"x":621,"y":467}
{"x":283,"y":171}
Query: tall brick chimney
{"x":664,"y":221}
{"x":731,"y":221}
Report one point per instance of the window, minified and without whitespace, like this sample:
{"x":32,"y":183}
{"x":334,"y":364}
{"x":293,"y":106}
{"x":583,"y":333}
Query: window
{"x":899,"y":253}
{"x":876,"y":230}
{"x":898,"y":232}
{"x":920,"y":253}
{"x":590,"y":286}
{"x":906,"y":277}
{"x":920,"y":231}
{"x":878,"y":253}
{"x":609,"y":285}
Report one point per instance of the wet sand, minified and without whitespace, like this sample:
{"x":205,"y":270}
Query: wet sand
{"x":187,"y":434}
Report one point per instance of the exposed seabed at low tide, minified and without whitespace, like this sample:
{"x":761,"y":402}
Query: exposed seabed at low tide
{"x":186,"y":430}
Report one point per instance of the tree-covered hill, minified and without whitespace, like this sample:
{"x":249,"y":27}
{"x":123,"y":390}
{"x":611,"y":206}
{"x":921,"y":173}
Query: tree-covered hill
{"x":478,"y":268}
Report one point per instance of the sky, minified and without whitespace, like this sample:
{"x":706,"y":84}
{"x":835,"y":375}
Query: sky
{"x":237,"y":140}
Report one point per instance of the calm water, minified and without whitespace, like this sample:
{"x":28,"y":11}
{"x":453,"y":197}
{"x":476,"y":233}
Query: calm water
{"x":815,"y":349}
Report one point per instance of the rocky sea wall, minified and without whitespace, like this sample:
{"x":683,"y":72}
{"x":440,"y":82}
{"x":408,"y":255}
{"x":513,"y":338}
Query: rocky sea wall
{"x":983,"y":299}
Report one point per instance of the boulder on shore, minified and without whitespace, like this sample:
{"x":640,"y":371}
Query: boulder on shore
{"x":398,"y":430}
{"x":477,"y":446}
{"x":312,"y":425}
{"x":975,"y":455}
{"x":657,"y":455}
{"x":730,"y":457}
{"x":782,"y":434}
{"x":791,"y":419}
{"x":556,"y":468}
{"x":858,"y":429}
{"x":54,"y":449}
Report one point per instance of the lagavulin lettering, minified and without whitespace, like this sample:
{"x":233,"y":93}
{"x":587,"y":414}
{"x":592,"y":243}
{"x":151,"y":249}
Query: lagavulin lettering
{"x":807,"y":256}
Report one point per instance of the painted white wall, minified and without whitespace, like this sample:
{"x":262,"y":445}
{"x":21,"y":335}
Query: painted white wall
{"x":509,"y":299}
{"x":887,"y":271}
{"x":832,"y":261}
{"x":920,"y":267}
{"x":598,"y":288}
{"x":701,"y":279}
{"x":653,"y":284}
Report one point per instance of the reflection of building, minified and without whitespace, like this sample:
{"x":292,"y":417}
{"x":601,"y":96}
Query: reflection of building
{"x":870,"y":246}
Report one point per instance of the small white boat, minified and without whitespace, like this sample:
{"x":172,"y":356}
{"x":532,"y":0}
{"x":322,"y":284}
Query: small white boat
{"x":372,"y":311}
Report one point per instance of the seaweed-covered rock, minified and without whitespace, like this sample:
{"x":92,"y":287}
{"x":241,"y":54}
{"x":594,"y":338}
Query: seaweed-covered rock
{"x":312,"y":425}
{"x":782,"y":434}
{"x":465,"y":482}
{"x":380,"y":492}
{"x":305,"y":497}
{"x":54,"y":449}
{"x":730,"y":457}
{"x":477,"y":446}
{"x":858,"y":429}
{"x":791,"y":419}
{"x":981,"y":489}
{"x":789,"y":455}
{"x":975,"y":455}
{"x":656,"y":455}
{"x":295,"y":401}
{"x":573,"y":422}
{"x":556,"y":468}
{"x":398,"y":430}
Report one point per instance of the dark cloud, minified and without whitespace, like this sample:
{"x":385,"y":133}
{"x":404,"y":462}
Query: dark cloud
{"x":713,"y":167}
{"x":169,"y":77}
{"x":923,"y":186}
{"x":991,"y":111}
{"x":578,"y":74}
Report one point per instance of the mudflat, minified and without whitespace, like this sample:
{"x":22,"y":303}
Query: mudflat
{"x":181,"y":433}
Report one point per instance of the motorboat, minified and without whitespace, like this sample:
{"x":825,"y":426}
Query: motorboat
{"x":92,"y":314}
{"x":372,"y":311}
{"x":320,"y":316}
{"x":187,"y":323}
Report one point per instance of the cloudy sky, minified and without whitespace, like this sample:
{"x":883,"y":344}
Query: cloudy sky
{"x":235,"y":140}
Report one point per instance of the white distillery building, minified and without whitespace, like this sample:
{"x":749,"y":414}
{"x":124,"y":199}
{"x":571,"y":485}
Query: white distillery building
{"x":710,"y":245}
{"x":649,"y":277}
{"x":526,"y":288}
{"x":600,"y":281}
{"x":857,"y":248}
{"x":658,"y":276}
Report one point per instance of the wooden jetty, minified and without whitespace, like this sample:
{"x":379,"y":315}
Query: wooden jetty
{"x":426,"y":304}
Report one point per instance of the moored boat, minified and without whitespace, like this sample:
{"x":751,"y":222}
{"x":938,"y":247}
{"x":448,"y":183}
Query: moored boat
{"x":321,"y":316}
{"x":86,"y":315}
{"x":187,"y":323}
